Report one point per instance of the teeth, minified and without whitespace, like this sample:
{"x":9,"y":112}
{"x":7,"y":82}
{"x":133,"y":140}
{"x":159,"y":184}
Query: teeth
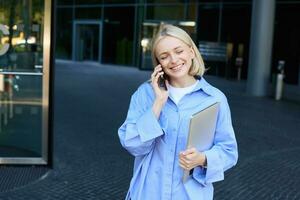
{"x":176,"y":68}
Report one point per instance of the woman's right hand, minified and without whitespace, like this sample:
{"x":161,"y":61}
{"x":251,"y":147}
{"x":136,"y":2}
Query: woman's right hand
{"x":161,"y":95}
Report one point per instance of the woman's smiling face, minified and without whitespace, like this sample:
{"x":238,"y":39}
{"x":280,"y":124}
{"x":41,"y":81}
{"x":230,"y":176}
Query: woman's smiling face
{"x":175,"y":57}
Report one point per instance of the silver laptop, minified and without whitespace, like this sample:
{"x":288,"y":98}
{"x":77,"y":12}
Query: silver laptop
{"x":202,"y":129}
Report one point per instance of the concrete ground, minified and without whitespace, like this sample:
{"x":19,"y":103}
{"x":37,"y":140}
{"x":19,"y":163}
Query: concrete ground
{"x":91,"y":102}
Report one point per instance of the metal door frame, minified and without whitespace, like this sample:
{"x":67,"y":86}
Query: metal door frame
{"x":44,"y":159}
{"x":87,"y":22}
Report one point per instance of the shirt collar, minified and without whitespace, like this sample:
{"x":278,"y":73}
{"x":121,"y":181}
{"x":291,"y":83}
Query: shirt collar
{"x":204,"y":86}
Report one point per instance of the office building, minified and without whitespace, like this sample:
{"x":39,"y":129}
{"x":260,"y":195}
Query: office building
{"x":119,"y":32}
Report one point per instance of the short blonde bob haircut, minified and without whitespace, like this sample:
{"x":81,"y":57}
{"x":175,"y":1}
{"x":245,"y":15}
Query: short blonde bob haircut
{"x":197,"y":68}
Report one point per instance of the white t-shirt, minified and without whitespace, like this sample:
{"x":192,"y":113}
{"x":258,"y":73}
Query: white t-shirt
{"x":177,"y":93}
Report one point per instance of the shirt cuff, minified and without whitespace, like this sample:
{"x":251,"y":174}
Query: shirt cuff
{"x":199,"y":174}
{"x":214,"y":168}
{"x":148,"y":126}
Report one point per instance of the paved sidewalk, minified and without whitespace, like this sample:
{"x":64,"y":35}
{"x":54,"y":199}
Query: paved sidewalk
{"x":91,"y":102}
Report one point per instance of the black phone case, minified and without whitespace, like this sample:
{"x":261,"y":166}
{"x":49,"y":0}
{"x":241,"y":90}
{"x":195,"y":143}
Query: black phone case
{"x":162,"y":82}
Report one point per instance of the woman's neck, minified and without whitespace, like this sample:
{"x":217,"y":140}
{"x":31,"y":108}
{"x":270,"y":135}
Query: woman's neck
{"x":183,"y":82}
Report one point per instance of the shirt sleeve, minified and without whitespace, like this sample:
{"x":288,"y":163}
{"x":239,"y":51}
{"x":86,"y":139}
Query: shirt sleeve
{"x":141,"y":127}
{"x":224,"y":154}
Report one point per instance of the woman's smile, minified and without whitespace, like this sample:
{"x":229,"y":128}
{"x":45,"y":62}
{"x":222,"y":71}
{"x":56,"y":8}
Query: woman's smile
{"x":177,"y":67}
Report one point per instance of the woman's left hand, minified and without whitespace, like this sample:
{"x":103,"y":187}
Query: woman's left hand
{"x":191,"y":158}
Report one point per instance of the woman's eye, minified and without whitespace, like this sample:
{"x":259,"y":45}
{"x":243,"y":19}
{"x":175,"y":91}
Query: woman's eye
{"x":162,"y":58}
{"x":179,"y":52}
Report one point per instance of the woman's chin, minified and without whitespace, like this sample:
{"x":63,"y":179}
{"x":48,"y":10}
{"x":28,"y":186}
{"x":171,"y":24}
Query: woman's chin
{"x":178,"y":74}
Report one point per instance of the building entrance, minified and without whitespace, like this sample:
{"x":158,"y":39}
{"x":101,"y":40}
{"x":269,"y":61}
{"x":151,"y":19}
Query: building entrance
{"x":87,"y":41}
{"x":24,"y":81}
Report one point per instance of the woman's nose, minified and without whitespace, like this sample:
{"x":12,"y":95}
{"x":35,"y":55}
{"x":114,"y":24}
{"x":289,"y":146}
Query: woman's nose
{"x":174,"y":58}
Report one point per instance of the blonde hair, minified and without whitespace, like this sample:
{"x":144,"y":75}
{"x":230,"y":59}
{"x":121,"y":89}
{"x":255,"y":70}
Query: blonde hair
{"x":197,"y":67}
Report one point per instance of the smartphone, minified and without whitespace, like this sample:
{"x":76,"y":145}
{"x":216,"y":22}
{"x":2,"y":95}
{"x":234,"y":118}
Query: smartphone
{"x":162,"y":81}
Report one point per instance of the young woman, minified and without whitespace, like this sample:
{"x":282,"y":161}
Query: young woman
{"x":157,"y":124}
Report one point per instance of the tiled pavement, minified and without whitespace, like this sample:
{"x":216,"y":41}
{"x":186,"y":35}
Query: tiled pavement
{"x":90,"y":104}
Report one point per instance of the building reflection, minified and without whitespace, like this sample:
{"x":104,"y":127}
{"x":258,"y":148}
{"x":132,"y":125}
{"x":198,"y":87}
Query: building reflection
{"x":126,"y":27}
{"x":22,"y":86}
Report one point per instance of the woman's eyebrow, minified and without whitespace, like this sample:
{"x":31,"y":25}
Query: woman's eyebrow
{"x":162,"y":53}
{"x":178,"y":47}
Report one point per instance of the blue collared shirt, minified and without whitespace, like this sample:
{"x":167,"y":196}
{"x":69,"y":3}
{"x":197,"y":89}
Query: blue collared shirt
{"x":156,"y":144}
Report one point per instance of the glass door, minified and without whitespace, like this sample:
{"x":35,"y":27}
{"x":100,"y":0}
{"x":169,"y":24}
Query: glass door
{"x":87,"y":40}
{"x":24,"y":81}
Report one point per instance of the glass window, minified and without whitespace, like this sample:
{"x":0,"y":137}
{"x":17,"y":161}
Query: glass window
{"x":86,"y":2}
{"x":65,"y":2}
{"x":88,"y":13}
{"x":118,"y":1}
{"x":208,"y":37}
{"x":169,"y":12}
{"x":64,"y":27}
{"x":166,"y":1}
{"x":208,"y":22}
{"x":21,"y":36}
{"x":20,"y":116}
{"x":237,"y":1}
{"x":179,"y":12}
{"x":22,"y":94}
{"x":118,"y":35}
{"x":191,"y":12}
{"x":286,"y":45}
{"x":235,"y":31}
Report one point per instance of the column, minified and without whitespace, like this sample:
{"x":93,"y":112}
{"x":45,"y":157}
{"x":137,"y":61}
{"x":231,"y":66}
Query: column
{"x":262,"y":26}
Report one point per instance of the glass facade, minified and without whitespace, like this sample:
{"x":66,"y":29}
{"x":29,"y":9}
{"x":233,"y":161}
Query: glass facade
{"x":64,"y":19}
{"x":127,"y":27}
{"x":24,"y":82}
{"x":87,"y":41}
{"x":118,"y":33}
{"x":287,"y":40}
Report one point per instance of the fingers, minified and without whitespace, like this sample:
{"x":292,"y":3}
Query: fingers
{"x":157,"y":70}
{"x":188,"y":158}
{"x":189,"y":151}
{"x":167,"y":82}
{"x":186,"y":165}
{"x":154,"y":80}
{"x":183,"y":166}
